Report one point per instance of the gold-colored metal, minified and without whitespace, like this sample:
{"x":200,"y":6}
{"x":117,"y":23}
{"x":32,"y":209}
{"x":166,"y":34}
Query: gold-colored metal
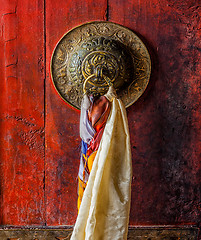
{"x":103,"y":77}
{"x":95,"y":55}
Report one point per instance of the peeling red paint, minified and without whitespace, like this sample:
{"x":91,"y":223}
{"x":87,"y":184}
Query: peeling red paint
{"x":22,"y":114}
{"x":163,"y":127}
{"x":39,"y":179}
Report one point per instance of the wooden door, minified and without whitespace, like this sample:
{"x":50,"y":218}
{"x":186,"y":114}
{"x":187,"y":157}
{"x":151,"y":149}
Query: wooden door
{"x":40,"y":133}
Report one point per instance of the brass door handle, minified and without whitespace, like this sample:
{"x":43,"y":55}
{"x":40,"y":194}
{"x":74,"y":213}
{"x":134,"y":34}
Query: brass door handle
{"x":96,"y":55}
{"x":107,"y":80}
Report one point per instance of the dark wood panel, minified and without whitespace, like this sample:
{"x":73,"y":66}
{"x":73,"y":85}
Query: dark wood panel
{"x":165,"y":122}
{"x":62,"y":122}
{"x":140,"y":233}
{"x":22,"y":113}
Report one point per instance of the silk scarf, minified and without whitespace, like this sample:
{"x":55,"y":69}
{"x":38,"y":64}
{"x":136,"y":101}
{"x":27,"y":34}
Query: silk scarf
{"x":105,"y":206}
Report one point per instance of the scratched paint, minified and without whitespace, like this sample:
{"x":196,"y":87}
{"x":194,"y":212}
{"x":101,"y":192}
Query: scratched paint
{"x":39,"y":185}
{"x":22,"y":113}
{"x":163,"y":123}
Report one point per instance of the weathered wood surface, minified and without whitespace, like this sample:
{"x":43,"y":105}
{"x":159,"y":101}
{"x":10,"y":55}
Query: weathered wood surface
{"x":38,"y":186}
{"x":62,"y":122}
{"x":143,"y":233}
{"x":165,"y":122}
{"x":22,"y":112}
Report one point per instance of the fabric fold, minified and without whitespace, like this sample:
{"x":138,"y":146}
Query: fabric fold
{"x":105,"y":206}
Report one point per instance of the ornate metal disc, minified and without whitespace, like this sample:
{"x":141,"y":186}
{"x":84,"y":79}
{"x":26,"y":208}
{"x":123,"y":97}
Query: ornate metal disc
{"x":92,"y":52}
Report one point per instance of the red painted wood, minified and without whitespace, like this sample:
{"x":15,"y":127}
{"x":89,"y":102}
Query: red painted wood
{"x":62,"y":122}
{"x":22,"y":113}
{"x":165,"y":122}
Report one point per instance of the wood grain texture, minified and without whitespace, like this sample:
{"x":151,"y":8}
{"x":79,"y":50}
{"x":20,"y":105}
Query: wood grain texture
{"x":39,"y":186}
{"x":62,"y":122}
{"x":165,"y":122}
{"x":140,"y":233}
{"x":22,"y":113}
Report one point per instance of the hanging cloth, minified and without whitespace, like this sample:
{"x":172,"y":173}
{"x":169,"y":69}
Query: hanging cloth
{"x":105,"y":206}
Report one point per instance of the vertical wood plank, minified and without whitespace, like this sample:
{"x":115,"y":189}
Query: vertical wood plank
{"x":165,"y":122}
{"x":62,"y":122}
{"x":22,"y":113}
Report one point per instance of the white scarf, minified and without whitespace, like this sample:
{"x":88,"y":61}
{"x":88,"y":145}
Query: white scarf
{"x":104,"y":211}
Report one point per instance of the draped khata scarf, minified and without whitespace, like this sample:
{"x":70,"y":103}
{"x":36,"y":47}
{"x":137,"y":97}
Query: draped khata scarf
{"x":105,"y":172}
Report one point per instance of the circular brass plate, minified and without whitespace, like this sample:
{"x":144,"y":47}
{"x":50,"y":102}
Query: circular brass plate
{"x":78,"y":49}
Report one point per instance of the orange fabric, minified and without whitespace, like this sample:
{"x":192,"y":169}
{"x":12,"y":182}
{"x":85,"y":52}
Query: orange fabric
{"x":97,"y":115}
{"x":98,"y":112}
{"x":82,"y":185}
{"x":91,"y":160}
{"x":81,"y":188}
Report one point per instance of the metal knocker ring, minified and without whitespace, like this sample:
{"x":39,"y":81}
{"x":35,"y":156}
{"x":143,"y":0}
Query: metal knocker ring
{"x":107,"y":80}
{"x":95,"y":55}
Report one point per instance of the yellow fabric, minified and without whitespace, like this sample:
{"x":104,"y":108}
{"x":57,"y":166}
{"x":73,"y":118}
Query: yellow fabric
{"x":91,"y":160}
{"x":81,"y":188}
{"x":104,"y":210}
{"x":81,"y":184}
